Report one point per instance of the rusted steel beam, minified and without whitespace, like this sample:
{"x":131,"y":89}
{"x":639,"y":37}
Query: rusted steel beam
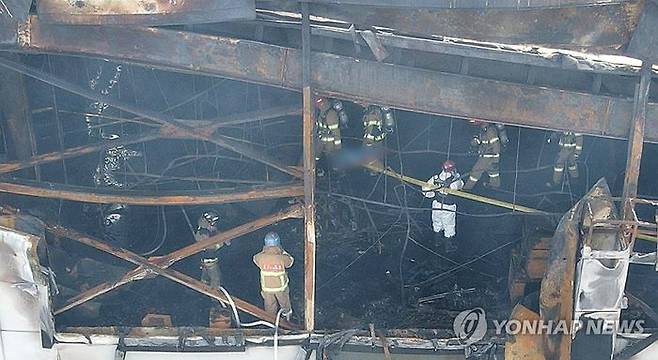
{"x":211,"y":126}
{"x":308,"y":135}
{"x":636,"y":139}
{"x":173,"y":275}
{"x":74,"y":152}
{"x":455,"y":4}
{"x":97,"y":196}
{"x":344,"y":77}
{"x":152,"y":12}
{"x":190,"y":250}
{"x":606,"y":26}
{"x":252,"y":116}
{"x":16,"y":116}
{"x":161,"y":118}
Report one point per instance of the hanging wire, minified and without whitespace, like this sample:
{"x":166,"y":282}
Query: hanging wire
{"x":326,"y":283}
{"x":164,"y":234}
{"x":445,"y":257}
{"x":461,"y":266}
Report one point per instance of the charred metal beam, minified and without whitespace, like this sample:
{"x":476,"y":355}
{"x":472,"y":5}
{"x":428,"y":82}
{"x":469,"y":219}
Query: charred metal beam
{"x":211,"y":126}
{"x":170,"y":274}
{"x":153,"y":12}
{"x":160,"y":118}
{"x":456,"y":4}
{"x":75,"y":152}
{"x":252,"y":116}
{"x":555,"y":59}
{"x":309,"y":174}
{"x":606,"y":26}
{"x":131,"y":197}
{"x":636,"y":139}
{"x":343,"y":77}
{"x":190,"y":250}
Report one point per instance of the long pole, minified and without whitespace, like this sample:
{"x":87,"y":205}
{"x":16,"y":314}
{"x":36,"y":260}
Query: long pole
{"x":309,"y":174}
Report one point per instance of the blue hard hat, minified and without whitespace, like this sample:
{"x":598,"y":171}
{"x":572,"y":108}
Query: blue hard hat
{"x":272,"y":239}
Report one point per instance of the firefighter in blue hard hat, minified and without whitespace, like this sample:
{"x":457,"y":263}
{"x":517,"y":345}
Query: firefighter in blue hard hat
{"x":273,"y":262}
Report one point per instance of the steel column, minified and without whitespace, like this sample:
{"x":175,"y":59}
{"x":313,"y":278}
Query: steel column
{"x":309,"y":174}
{"x":636,"y":139}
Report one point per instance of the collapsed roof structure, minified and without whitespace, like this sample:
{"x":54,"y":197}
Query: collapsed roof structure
{"x":172,"y":107}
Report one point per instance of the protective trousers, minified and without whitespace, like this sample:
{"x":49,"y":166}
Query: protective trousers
{"x":488,"y":163}
{"x":443,"y":218}
{"x":565,"y":158}
{"x":210,"y":274}
{"x":275,"y":300}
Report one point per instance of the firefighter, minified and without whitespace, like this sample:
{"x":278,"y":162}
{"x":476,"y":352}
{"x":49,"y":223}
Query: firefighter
{"x":443,"y":204}
{"x":273,"y":262}
{"x":330,"y":117}
{"x":571,"y":146}
{"x":378,"y":122}
{"x":487,"y":145}
{"x":207,"y":227}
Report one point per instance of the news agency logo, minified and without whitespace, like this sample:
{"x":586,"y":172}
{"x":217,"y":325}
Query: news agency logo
{"x":470,"y":326}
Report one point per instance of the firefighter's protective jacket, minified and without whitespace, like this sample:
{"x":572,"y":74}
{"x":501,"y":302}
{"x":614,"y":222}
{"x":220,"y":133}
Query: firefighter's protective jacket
{"x":328,"y":125}
{"x":373,"y":124}
{"x":273,"y":262}
{"x":570,"y":141}
{"x":488,"y":142}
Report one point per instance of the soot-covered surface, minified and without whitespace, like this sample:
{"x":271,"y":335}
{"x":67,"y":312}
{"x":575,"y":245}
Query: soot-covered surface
{"x":377,"y":255}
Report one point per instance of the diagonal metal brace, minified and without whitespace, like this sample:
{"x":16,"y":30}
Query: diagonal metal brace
{"x":162,"y":270}
{"x":163,"y":262}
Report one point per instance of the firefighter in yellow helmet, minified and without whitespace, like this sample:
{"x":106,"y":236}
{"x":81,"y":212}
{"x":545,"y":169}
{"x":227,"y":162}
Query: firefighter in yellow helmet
{"x":487,"y":145}
{"x":571,"y":146}
{"x":273,"y":262}
{"x":330,"y":116}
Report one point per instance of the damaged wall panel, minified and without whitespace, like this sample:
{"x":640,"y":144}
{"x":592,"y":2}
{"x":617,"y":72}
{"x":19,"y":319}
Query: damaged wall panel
{"x":25,"y":311}
{"x":148,"y":12}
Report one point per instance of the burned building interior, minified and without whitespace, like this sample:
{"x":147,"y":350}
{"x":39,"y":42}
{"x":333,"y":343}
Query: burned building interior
{"x":126,"y":125}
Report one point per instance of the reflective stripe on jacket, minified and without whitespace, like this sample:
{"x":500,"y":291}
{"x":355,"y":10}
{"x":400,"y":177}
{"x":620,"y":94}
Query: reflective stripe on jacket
{"x":273,"y":262}
{"x":489,"y":143}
